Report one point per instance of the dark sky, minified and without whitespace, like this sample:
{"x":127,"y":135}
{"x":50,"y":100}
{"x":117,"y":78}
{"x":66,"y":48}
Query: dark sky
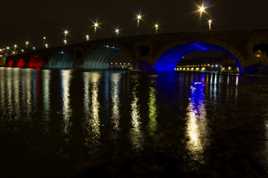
{"x":29,"y":19}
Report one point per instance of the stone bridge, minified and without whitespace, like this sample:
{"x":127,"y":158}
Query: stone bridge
{"x":156,"y":50}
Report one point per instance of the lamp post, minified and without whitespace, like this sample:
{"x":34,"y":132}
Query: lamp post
{"x":27,"y":43}
{"x":66,"y":33}
{"x":139,"y":18}
{"x":210,"y":22}
{"x":201,"y":9}
{"x":117,"y":31}
{"x":96,"y":26}
{"x":44,"y":38}
{"x":156,"y":27}
{"x":87,"y":37}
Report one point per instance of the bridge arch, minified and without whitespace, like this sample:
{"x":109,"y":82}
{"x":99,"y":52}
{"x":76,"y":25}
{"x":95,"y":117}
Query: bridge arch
{"x":171,"y":56}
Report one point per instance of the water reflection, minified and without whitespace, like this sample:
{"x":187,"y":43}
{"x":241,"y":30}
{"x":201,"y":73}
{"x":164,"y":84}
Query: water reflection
{"x":2,"y":89}
{"x":16,"y":87}
{"x":196,"y":125}
{"x":115,"y":91}
{"x":28,"y":90}
{"x":92,"y":104}
{"x":236,"y":87}
{"x":152,"y":106}
{"x":46,"y":93}
{"x":135,"y":132}
{"x":65,"y":89}
{"x":9,"y":91}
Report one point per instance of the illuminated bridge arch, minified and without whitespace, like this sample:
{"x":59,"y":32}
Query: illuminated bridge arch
{"x":169,"y":59}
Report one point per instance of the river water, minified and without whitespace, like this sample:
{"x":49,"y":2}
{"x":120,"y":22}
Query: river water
{"x":67,"y":123}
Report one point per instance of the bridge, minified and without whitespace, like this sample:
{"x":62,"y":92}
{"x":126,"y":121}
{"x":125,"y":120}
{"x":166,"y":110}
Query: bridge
{"x":158,"y":52}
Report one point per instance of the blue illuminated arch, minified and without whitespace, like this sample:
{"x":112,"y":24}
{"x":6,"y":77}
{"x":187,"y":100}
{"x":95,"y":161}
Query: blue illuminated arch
{"x":170,"y":58}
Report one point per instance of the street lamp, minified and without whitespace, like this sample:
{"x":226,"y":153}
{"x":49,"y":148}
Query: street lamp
{"x":139,"y":18}
{"x":87,"y":37}
{"x":15,"y":46}
{"x":66,"y":33}
{"x":117,"y":31}
{"x":201,"y":9}
{"x":27,"y":43}
{"x":96,"y":25}
{"x":210,"y":21}
{"x":156,"y":27}
{"x":44,"y":41}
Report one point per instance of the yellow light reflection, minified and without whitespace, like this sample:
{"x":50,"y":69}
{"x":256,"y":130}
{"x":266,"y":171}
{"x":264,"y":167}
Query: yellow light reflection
{"x":46,"y":92}
{"x":16,"y":84}
{"x":9,"y":91}
{"x":115,"y":100}
{"x":28,"y":90}
{"x":135,"y":132}
{"x":2,"y":87}
{"x":92,"y":104}
{"x":152,"y":125}
{"x":66,"y":76}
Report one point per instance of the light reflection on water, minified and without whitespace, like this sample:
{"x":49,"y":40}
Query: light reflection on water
{"x":28,"y":90}
{"x":9,"y":92}
{"x":196,"y":120}
{"x":152,"y":109}
{"x":46,"y":92}
{"x":115,"y":92}
{"x":135,"y":131}
{"x":65,"y":88}
{"x":16,"y":87}
{"x":132,"y":104}
{"x":92,"y":104}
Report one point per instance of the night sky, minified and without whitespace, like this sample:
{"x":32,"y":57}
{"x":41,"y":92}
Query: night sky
{"x":31,"y":19}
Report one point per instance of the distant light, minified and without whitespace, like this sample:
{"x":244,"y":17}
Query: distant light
{"x":34,"y":48}
{"x":156,"y":27}
{"x":202,"y":9}
{"x":66,"y":32}
{"x":22,"y":50}
{"x":15,"y":46}
{"x":7,"y":48}
{"x":117,"y":31}
{"x":210,"y":21}
{"x":139,"y":18}
{"x":27,"y":43}
{"x":65,"y":41}
{"x":96,"y":25}
{"x":87,"y":37}
{"x":46,"y":45}
{"x":44,"y":38}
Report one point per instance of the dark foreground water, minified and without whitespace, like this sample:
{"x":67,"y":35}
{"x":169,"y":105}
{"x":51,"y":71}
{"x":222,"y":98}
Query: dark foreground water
{"x":116,"y":124}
